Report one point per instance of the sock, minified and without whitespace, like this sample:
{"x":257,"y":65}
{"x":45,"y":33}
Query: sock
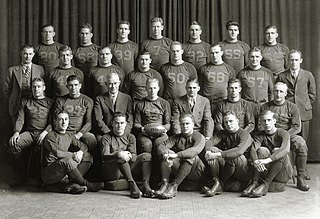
{"x":183,"y":171}
{"x":83,"y":167}
{"x":273,"y":171}
{"x":146,"y":170}
{"x":301,"y":164}
{"x":126,"y":170}
{"x":165,"y":170}
{"x":227,"y":172}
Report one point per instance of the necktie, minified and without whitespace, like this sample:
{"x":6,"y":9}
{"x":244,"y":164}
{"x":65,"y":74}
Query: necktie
{"x":27,"y":71}
{"x":192,"y":102}
{"x":113,"y":101}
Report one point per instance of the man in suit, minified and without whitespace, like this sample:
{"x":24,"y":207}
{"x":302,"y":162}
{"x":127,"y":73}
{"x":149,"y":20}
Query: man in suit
{"x":194,"y":104}
{"x":18,"y":80}
{"x":301,"y":89}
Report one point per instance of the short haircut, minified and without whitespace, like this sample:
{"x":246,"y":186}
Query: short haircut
{"x":295,"y":51}
{"x":270,"y":26}
{"x":232,"y":23}
{"x":48,"y":25}
{"x":176,"y":43}
{"x":255,"y":49}
{"x":144,"y":52}
{"x":195,"y":23}
{"x":65,"y":48}
{"x":186,"y":115}
{"x":234,"y":80}
{"x":193,"y":80}
{"x":124,"y":22}
{"x":119,"y":114}
{"x":268,"y":112}
{"x":156,"y":19}
{"x":103,"y":47}
{"x":60,"y":112}
{"x":73,"y":78}
{"x":230,"y":113}
{"x":112,"y":74}
{"x":152,"y":80}
{"x":279,"y":83}
{"x":27,"y":46}
{"x":214,"y":45}
{"x":86,"y":25}
{"x":38,"y":80}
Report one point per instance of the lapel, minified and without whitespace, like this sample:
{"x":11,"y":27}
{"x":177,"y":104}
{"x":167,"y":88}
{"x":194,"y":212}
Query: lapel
{"x":185,"y":104}
{"x":300,"y":75}
{"x":108,"y":101}
{"x":289,"y":78}
{"x":195,"y":107}
{"x":18,"y":71}
{"x":118,"y":102}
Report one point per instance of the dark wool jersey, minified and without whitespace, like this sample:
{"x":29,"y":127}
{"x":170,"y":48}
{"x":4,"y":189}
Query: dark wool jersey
{"x":232,"y":145}
{"x":159,"y":49}
{"x":135,"y":84}
{"x":58,"y":80}
{"x":156,"y":111}
{"x":85,"y":57}
{"x":275,"y":57}
{"x":124,"y":54}
{"x":288,"y":116}
{"x":196,"y":53}
{"x":214,"y":79}
{"x":257,"y":85}
{"x":34,"y":115}
{"x":184,"y":146}
{"x":175,"y":78}
{"x":58,"y":144}
{"x":98,"y":78}
{"x":235,"y":54}
{"x":279,"y":139}
{"x":243,"y":110}
{"x":47,"y":56}
{"x":79,"y":110}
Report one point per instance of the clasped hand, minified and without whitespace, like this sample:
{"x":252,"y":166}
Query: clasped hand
{"x":125,"y":155}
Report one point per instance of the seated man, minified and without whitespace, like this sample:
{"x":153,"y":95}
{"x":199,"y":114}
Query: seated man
{"x":270,"y":156}
{"x":196,"y":105}
{"x":179,"y":155}
{"x":33,"y":119}
{"x":59,"y":162}
{"x":119,"y":157}
{"x":226,"y":155}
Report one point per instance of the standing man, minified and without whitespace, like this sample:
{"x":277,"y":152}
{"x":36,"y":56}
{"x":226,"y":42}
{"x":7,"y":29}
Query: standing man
{"x":18,"y":80}
{"x":176,"y":73}
{"x":86,"y":55}
{"x":47,"y":53}
{"x":195,"y":50}
{"x":97,"y":84}
{"x":235,"y":52}
{"x":136,"y":81}
{"x":156,"y":44}
{"x":124,"y":51}
{"x":274,"y":54}
{"x":34,"y":120}
{"x":301,"y":89}
{"x":196,"y":105}
{"x":289,"y":120}
{"x":58,"y":76}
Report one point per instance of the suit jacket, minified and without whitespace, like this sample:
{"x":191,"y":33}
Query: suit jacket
{"x":301,"y":91}
{"x":201,"y":113}
{"x":13,"y":83}
{"x":104,"y":111}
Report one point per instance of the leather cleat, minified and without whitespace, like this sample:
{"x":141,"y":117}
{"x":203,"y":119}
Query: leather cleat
{"x":260,"y":191}
{"x":75,"y":189}
{"x":215,"y":190}
{"x":95,"y":187}
{"x":301,"y":184}
{"x":249,"y":189}
{"x":134,"y":190}
{"x":171,"y":191}
{"x":163,"y":188}
{"x":146,"y":190}
{"x":204,"y":189}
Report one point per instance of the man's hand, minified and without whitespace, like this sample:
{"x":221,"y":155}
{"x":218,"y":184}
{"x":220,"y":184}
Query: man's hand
{"x":78,"y":156}
{"x":125,"y":155}
{"x":169,"y":158}
{"x":212,"y":155}
{"x":14,"y":139}
{"x":41,"y":137}
{"x":259,"y":165}
{"x":78,"y":135}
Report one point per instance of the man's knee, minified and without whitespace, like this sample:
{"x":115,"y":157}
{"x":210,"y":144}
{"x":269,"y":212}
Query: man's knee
{"x":145,"y":144}
{"x":146,"y":157}
{"x":263,"y":153}
{"x":298,"y":145}
{"x":90,"y":140}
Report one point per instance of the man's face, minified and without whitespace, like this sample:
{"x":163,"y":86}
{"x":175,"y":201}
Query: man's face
{"x":47,"y":34}
{"x":85,"y":36}
{"x":295,"y":61}
{"x":233,"y":32}
{"x":74,"y":87}
{"x":186,"y":125}
{"x":271,"y":36}
{"x":27,"y":55}
{"x":38,"y":89}
{"x":234,"y":90}
{"x":144,"y":61}
{"x":62,"y":122}
{"x":280,"y":93}
{"x":105,"y":56}
{"x":231,"y":123}
{"x":119,"y":125}
{"x":123,"y":31}
{"x":66,"y":57}
{"x":152,"y":89}
{"x":156,"y":28}
{"x":216,"y":54}
{"x":195,"y":32}
{"x":255,"y":59}
{"x":268,"y":122}
{"x":192,"y":89}
{"x":113,"y":84}
{"x":176,"y":52}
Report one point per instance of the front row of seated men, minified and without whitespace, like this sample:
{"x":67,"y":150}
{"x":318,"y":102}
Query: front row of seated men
{"x":229,"y":154}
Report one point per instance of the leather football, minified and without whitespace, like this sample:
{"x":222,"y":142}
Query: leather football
{"x":154,"y":129}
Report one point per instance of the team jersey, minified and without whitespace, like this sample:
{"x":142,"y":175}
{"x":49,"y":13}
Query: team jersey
{"x":47,"y":56}
{"x":85,"y":57}
{"x":135,"y":84}
{"x":58,"y":80}
{"x":257,"y":85}
{"x":243,"y":110}
{"x":98,"y":78}
{"x":235,"y":54}
{"x":196,"y":53}
{"x":175,"y":78}
{"x":34,"y":115}
{"x":159,"y":49}
{"x":79,"y":110}
{"x":214,"y":79}
{"x":275,"y":57}
{"x":124,"y":54}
